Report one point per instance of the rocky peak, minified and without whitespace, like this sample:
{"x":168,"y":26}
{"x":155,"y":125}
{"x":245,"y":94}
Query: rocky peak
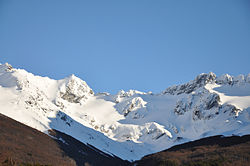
{"x":189,"y":87}
{"x":75,"y":90}
{"x":231,"y":80}
{"x":225,"y":79}
{"x":204,"y":78}
{"x":5,"y":67}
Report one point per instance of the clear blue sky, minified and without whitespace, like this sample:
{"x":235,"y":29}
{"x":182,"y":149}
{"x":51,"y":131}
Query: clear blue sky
{"x":126,"y":44}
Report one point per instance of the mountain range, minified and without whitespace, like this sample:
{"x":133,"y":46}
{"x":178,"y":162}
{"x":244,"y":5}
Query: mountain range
{"x":127,"y":125}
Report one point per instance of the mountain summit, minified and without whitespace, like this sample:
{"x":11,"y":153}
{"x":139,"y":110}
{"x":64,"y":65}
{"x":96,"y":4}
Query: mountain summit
{"x":129,"y":124}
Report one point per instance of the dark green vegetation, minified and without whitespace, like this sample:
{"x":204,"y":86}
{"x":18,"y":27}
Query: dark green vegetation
{"x":21,"y":145}
{"x":211,"y":151}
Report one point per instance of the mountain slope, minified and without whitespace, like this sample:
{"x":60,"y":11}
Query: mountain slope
{"x":215,"y":150}
{"x":20,"y":144}
{"x":128,"y":124}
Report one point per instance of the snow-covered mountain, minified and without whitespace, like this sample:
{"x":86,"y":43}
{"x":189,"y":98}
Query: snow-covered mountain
{"x":129,"y":124}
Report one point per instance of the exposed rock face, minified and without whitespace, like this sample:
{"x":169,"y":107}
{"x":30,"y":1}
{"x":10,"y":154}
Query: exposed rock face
{"x":200,"y":104}
{"x":187,"y":88}
{"x":64,"y":117}
{"x":233,"y":111}
{"x":131,"y":107}
{"x":212,"y":101}
{"x":75,"y":90}
{"x":203,"y":79}
{"x":204,"y":105}
{"x":230,"y":80}
{"x":155,"y":130}
{"x":200,"y":101}
{"x":181,"y":107}
{"x":148,"y":131}
{"x":225,"y":79}
{"x":122,"y":94}
{"x":5,"y":67}
{"x":8,"y":67}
